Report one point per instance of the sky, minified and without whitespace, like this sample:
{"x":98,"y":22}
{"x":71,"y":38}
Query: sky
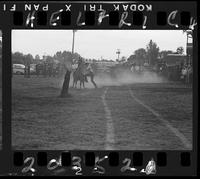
{"x":94,"y":43}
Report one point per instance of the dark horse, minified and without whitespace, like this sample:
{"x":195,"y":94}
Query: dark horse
{"x":78,"y":76}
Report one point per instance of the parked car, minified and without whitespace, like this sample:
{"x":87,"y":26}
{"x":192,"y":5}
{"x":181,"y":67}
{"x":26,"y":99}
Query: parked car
{"x":19,"y":69}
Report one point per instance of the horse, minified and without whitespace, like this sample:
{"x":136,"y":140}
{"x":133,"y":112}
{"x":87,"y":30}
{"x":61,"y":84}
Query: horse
{"x":81,"y":73}
{"x":78,"y":76}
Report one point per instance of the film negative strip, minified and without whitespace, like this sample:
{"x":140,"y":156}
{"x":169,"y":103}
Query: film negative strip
{"x":98,"y":88}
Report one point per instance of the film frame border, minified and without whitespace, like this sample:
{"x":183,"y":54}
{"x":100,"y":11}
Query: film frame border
{"x":116,"y":163}
{"x":6,"y":97}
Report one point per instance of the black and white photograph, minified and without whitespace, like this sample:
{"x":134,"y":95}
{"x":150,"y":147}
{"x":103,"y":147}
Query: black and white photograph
{"x":0,"y":89}
{"x":102,"y":90}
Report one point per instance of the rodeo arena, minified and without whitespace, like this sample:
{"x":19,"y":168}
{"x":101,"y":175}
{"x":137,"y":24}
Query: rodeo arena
{"x":68,"y":102}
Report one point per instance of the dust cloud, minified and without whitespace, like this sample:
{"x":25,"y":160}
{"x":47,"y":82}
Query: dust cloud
{"x":121,"y":77}
{"x":125,"y":77}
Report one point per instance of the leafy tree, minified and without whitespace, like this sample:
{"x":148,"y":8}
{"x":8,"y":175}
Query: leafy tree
{"x":49,"y":59}
{"x":131,"y":59}
{"x":140,"y":55}
{"x":37,"y":58}
{"x":152,"y":52}
{"x":123,"y":59}
{"x":66,"y":54}
{"x":164,"y":53}
{"x":58,"y":56}
{"x":18,"y":57}
{"x":76,"y":56}
{"x":28,"y":59}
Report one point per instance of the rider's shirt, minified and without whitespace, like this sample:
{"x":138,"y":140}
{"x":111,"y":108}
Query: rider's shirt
{"x":89,"y":68}
{"x":184,"y":71}
{"x":132,"y":68}
{"x":74,"y":66}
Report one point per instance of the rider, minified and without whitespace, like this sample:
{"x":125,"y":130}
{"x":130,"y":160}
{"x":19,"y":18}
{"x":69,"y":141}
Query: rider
{"x":89,"y":68}
{"x":90,"y":73}
{"x":81,"y":66}
{"x":80,"y":61}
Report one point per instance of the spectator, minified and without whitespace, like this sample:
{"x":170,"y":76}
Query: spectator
{"x":133,"y":67}
{"x":37,"y":69}
{"x":184,"y":73}
{"x":44,"y":69}
{"x":54,"y":69}
{"x":189,"y":74}
{"x":176,"y":72}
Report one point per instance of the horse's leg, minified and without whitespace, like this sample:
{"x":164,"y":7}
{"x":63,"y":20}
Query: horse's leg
{"x":73,"y":83}
{"x":85,"y":78}
{"x":83,"y":84}
{"x":80,"y":84}
{"x":92,"y":80}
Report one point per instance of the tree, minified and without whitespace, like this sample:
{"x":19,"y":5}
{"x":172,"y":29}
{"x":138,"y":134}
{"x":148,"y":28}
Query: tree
{"x":66,"y":55}
{"x":140,"y":55}
{"x":131,"y":59}
{"x":76,"y":56}
{"x":180,"y":50}
{"x":37,"y":59}
{"x":67,"y":62}
{"x":18,"y":57}
{"x":164,"y":53}
{"x":58,"y":56}
{"x":152,"y":52}
{"x":28,"y":59}
{"x":123,"y":59}
{"x":49,"y":59}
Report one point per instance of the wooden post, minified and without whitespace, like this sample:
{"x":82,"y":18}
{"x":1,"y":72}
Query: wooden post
{"x":65,"y":87}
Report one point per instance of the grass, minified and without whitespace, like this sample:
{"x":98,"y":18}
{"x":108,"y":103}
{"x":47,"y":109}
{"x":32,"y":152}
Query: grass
{"x":173,"y":102}
{"x":42,"y":120}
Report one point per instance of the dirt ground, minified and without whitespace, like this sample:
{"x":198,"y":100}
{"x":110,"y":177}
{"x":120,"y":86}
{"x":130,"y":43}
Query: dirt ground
{"x":138,"y":116}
